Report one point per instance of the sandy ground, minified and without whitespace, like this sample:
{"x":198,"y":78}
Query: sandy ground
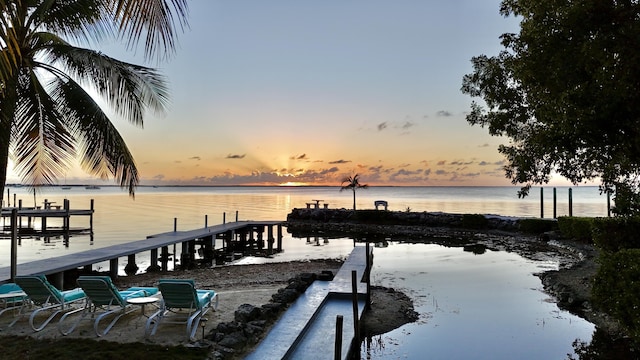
{"x":235,"y":285}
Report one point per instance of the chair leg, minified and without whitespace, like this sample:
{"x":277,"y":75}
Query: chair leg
{"x":85,"y":311}
{"x":96,"y":324}
{"x":152,"y":323}
{"x":44,"y":323}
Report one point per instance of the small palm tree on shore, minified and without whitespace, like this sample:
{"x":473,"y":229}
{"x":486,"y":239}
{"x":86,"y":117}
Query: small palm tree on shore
{"x":353,"y":183}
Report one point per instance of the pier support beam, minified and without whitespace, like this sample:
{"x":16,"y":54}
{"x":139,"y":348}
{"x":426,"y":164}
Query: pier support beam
{"x":154,"y":261}
{"x":164,"y":258}
{"x":131,"y":268}
{"x":113,"y":268}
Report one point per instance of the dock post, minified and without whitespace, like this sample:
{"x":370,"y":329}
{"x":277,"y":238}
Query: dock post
{"x":354,"y":300}
{"x":175,"y":224}
{"x":113,"y":268}
{"x":270,"y":239}
{"x":260,"y":235}
{"x":224,"y":218}
{"x":206,"y":221}
{"x":91,"y":217}
{"x":131,"y":268}
{"x":14,"y":243}
{"x":279,"y":248}
{"x":65,"y":224}
{"x":236,"y":215}
{"x":57,"y":280}
{"x":338,"y":342}
{"x":541,"y":203}
{"x":20,"y":217}
{"x":555,"y":212}
{"x":570,"y":202}
{"x":164,"y":258}
{"x":368,"y":276}
{"x":43,"y":220}
{"x":153,"y":260}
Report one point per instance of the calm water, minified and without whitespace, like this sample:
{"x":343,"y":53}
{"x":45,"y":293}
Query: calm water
{"x":471,"y":306}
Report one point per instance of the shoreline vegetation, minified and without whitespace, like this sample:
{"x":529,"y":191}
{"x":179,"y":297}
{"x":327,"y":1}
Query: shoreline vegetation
{"x":248,"y":292}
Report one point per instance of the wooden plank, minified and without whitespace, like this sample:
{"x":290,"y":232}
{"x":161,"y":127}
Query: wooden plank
{"x":93,"y":256}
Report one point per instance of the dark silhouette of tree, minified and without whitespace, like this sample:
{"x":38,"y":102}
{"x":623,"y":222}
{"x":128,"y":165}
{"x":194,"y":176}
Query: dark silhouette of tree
{"x":352,"y":183}
{"x":564,"y":91}
{"x":47,"y":117}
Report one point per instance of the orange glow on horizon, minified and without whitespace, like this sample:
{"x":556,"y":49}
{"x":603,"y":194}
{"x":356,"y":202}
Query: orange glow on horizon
{"x":293,"y":183}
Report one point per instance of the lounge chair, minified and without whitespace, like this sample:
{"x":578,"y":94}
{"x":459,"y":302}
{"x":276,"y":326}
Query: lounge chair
{"x":181,"y":295}
{"x":12,"y":297}
{"x":105,"y":299}
{"x":42,"y":296}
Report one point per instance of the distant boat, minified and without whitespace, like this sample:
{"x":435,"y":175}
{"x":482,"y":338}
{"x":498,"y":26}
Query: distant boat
{"x":92,"y":187}
{"x":66,"y":188}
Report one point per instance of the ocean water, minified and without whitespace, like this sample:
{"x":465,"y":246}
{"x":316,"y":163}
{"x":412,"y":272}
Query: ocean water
{"x":488,"y":306}
{"x":120,"y":218}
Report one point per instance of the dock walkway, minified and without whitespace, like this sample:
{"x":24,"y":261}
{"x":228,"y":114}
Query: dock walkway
{"x":86,"y":258}
{"x":307,"y":329}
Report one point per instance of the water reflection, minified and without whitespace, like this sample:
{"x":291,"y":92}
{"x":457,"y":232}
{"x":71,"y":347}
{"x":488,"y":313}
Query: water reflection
{"x":478,"y":303}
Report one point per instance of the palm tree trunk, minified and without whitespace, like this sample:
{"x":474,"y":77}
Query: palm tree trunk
{"x":5,"y":135}
{"x":7,"y":113}
{"x":354,"y":199}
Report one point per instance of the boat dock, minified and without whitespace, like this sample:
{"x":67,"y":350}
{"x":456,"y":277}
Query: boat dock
{"x":49,"y":210}
{"x":235,"y":235}
{"x":325,"y":318}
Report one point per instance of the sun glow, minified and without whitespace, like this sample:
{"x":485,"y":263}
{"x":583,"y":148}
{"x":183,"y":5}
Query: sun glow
{"x":293,"y":183}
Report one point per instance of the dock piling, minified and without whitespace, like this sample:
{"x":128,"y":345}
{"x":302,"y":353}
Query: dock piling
{"x":338,"y":342}
{"x":14,"y":243}
{"x":354,"y":299}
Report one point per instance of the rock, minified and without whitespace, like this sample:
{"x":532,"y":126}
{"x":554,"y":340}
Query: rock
{"x":236,"y":340}
{"x":246,"y":313}
{"x":285,"y":296}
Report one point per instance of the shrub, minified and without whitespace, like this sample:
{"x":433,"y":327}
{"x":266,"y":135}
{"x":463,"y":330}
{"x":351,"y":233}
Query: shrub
{"x":578,"y":228}
{"x":613,"y":234}
{"x":616,"y":288}
{"x":474,"y":221}
{"x":537,"y":226}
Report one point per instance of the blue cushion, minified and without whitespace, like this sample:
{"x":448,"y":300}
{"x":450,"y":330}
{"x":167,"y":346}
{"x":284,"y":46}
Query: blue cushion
{"x":72,"y":295}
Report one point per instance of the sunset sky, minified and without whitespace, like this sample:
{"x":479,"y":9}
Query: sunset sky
{"x":284,"y":91}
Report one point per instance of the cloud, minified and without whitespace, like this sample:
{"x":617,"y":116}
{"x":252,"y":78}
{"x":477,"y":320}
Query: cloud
{"x":407,"y":125}
{"x":442,"y":162}
{"x":460,"y":162}
{"x":484,"y":145}
{"x":382,"y":126}
{"x":339,"y":161}
{"x":159,"y":177}
{"x":195,"y":158}
{"x":235,"y":156}
{"x":298,"y":157}
{"x":443,"y":113}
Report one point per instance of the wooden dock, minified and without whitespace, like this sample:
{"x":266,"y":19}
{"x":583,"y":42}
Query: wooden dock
{"x":242,"y":231}
{"x":48,"y":210}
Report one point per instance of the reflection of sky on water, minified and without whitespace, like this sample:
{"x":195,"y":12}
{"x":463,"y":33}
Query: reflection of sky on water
{"x":487,"y":306}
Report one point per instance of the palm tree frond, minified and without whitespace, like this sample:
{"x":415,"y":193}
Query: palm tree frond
{"x":153,"y":19}
{"x":43,"y":146}
{"x":103,"y":152}
{"x":128,"y":88}
{"x":81,"y":19}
